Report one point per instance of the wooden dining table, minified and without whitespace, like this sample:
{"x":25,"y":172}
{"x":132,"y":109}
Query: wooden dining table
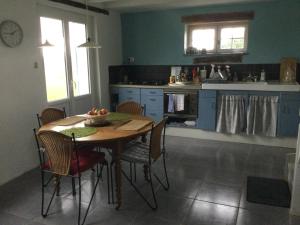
{"x":110,"y":136}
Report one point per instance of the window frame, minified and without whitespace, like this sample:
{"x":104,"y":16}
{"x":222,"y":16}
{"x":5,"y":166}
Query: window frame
{"x":217,"y":26}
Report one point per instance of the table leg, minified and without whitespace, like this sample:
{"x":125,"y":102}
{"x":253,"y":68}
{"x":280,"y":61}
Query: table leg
{"x":118,"y":175}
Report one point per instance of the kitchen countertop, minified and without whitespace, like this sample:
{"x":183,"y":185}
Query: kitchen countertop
{"x":242,"y":86}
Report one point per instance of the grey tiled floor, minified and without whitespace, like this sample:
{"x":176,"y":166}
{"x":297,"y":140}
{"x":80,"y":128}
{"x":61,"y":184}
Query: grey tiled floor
{"x":208,"y":187}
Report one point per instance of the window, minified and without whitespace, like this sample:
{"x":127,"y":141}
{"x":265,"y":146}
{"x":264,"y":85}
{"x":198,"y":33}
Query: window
{"x":221,"y":37}
{"x":64,"y":63}
{"x":54,"y":59}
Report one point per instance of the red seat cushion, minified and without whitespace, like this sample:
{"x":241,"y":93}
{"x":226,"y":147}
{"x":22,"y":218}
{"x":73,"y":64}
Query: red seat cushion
{"x":87,"y":159}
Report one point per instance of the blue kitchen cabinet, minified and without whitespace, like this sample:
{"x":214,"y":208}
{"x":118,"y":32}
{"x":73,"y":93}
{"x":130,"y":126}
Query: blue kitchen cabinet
{"x":207,"y":110}
{"x":129,"y":94}
{"x":288,"y":114}
{"x":153,"y":103}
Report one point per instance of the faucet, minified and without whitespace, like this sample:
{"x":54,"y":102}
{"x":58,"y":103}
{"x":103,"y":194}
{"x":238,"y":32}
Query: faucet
{"x":223,"y":76}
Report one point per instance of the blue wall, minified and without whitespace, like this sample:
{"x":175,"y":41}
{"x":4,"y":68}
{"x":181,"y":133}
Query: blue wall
{"x":157,"y":38}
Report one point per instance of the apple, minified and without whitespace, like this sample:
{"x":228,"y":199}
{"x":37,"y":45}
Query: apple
{"x":103,"y":111}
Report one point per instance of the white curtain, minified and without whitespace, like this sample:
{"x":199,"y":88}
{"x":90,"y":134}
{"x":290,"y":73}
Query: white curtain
{"x":232,"y":114}
{"x":262,"y":115}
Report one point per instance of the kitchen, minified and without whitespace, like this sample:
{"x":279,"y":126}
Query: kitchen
{"x":143,"y":44}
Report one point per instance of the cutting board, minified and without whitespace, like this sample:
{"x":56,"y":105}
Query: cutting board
{"x":134,"y":125}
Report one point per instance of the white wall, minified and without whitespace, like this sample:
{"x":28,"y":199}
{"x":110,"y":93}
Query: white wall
{"x":22,"y":87}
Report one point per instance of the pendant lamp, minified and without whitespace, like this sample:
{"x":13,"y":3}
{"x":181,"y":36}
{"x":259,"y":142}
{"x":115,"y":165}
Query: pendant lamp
{"x":46,"y":44}
{"x":89,"y":43}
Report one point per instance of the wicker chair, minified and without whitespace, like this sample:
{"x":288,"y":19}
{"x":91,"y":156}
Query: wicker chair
{"x":130,"y":107}
{"x":64,"y":159}
{"x":49,"y":115}
{"x":148,"y":154}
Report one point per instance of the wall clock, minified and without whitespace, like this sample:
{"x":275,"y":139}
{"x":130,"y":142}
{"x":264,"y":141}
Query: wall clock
{"x":11,"y":33}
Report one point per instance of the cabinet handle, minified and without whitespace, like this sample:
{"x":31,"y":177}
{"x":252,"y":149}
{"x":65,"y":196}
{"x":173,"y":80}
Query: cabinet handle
{"x":129,"y":92}
{"x":130,"y":98}
{"x":152,"y":99}
{"x":152,"y":92}
{"x":152,"y":114}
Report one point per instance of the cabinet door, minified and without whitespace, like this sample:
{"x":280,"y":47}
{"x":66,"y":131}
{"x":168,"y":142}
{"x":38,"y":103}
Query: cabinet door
{"x":207,"y":110}
{"x":288,"y":118}
{"x":129,"y":94}
{"x":153,"y":104}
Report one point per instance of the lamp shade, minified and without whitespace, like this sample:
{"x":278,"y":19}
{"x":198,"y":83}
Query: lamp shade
{"x":46,"y":44}
{"x":89,"y":44}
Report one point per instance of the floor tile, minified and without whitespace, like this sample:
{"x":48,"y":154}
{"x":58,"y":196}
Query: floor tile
{"x":9,"y":219}
{"x":170,"y":208}
{"x":246,"y":217}
{"x":219,"y":194}
{"x":203,"y":213}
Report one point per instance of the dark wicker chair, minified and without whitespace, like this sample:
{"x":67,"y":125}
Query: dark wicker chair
{"x":130,"y":107}
{"x":49,"y":115}
{"x":148,"y":154}
{"x":64,"y":159}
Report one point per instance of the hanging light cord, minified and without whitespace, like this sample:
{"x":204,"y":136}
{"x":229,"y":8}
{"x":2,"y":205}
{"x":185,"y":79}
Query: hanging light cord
{"x":87,"y":20}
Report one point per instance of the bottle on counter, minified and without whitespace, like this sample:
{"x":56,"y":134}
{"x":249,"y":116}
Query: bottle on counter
{"x":195,"y":75}
{"x":212,"y":72}
{"x":262,"y":75}
{"x":203,"y":74}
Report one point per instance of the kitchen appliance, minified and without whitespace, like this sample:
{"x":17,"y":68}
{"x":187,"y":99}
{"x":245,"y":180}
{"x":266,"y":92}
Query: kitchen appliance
{"x":189,"y":104}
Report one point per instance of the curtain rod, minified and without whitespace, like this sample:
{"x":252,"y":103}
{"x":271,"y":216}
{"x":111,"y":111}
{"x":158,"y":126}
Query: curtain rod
{"x":82,"y":6}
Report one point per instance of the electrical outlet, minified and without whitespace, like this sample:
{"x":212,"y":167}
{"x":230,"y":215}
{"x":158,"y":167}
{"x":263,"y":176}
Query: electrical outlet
{"x":131,"y":59}
{"x":35,"y":65}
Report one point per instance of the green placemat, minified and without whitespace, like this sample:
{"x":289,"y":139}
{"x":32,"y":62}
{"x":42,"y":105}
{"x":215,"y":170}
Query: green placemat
{"x":114,"y":116}
{"x":79,"y":131}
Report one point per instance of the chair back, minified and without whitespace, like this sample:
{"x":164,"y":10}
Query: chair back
{"x":39,"y":148}
{"x":157,"y":134}
{"x":49,"y":115}
{"x":59,"y":149}
{"x":130,"y":107}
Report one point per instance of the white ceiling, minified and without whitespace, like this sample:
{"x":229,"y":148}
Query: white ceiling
{"x":146,"y":5}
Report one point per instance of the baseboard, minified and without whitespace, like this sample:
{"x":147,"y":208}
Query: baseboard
{"x":258,"y":140}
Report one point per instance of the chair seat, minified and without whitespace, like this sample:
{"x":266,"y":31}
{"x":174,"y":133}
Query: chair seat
{"x":137,"y":152}
{"x":87,"y":159}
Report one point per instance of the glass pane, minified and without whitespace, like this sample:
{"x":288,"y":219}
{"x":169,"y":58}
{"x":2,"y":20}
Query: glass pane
{"x":54,"y":59}
{"x":233,"y":37}
{"x":203,"y":38}
{"x":79,"y":57}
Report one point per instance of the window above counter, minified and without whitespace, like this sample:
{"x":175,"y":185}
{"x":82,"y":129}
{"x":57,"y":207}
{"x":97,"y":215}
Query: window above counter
{"x":222,"y":33}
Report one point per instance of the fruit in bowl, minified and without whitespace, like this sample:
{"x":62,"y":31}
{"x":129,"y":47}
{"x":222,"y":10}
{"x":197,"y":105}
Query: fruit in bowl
{"x":94,"y":111}
{"x":96,"y":115}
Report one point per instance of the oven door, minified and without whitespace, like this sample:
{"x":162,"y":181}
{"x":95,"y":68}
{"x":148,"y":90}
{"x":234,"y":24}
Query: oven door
{"x":181,"y":103}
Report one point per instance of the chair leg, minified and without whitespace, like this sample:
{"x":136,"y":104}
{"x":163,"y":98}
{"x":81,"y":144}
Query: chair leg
{"x":130,"y":165}
{"x":134,"y":165}
{"x":73,"y":187}
{"x":152,"y":189}
{"x":79,"y":201}
{"x":146,"y":175}
{"x":140,"y":194}
{"x":108,"y":185}
{"x":88,"y":208}
{"x":112,"y":182}
{"x":165,"y":186}
{"x":44,"y":214}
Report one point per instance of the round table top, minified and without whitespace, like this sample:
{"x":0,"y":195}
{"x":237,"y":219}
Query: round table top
{"x":106,"y":133}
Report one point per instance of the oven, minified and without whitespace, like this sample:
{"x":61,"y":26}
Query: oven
{"x":181,"y":103}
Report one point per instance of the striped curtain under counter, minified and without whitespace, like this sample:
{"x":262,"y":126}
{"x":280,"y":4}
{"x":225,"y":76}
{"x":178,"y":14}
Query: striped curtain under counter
{"x":232,"y":114}
{"x":262,"y":115}
{"x":259,"y":117}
